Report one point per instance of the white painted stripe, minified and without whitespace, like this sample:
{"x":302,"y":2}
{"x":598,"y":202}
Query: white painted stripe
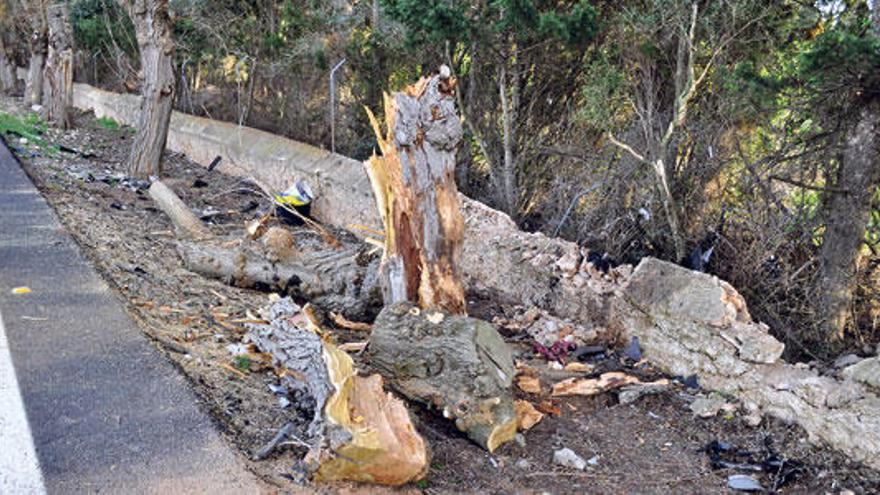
{"x":19,"y":467}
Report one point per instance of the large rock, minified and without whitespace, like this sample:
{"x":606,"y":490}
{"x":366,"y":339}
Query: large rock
{"x":457,"y":364}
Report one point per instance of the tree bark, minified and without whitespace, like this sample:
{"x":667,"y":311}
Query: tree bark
{"x":848,"y":212}
{"x":508,"y":119}
{"x":414,"y":185}
{"x":58,"y":74}
{"x":344,"y":282}
{"x":185,"y":223}
{"x":153,"y":29}
{"x":7,"y":70}
{"x":847,"y":218}
{"x":38,"y":46}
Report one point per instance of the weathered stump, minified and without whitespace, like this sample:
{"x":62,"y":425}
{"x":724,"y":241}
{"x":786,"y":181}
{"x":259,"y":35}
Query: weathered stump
{"x":459,"y":365}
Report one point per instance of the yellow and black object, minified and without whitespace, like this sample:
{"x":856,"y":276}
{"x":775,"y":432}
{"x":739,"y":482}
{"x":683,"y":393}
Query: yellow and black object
{"x":297,"y":197}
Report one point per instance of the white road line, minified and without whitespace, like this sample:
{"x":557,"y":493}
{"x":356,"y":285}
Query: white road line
{"x":19,"y":468}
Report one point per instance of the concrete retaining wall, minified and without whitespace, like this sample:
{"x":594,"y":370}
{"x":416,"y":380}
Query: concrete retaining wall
{"x":341,"y":184}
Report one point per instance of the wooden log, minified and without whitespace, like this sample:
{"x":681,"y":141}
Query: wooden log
{"x":345,"y":282}
{"x":414,"y":185}
{"x":186,"y":224}
{"x":456,"y":364}
{"x":356,"y":430}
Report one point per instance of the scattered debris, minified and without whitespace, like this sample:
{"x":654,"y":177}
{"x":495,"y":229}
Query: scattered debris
{"x":723,"y":455}
{"x":632,"y":393}
{"x":707,"y":407}
{"x":593,"y":386}
{"x":529,"y":384}
{"x":743,"y":483}
{"x":556,"y":352}
{"x":633,"y":351}
{"x":526,"y":415}
{"x":567,"y":458}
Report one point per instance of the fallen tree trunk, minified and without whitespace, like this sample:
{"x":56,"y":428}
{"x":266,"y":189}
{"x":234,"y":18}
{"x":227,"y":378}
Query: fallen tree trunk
{"x":356,"y":431}
{"x":185,"y":223}
{"x":344,"y":282}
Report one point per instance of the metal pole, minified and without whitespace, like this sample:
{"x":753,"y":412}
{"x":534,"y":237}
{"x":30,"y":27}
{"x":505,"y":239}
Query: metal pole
{"x":333,"y":105}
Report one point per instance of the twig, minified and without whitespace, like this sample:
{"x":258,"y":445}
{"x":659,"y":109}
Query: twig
{"x":269,"y":447}
{"x":626,"y":148}
{"x":230,"y":368}
{"x":808,"y":186}
{"x":574,"y":201}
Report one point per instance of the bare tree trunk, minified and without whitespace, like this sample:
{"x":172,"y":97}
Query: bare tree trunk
{"x":7,"y":70}
{"x":508,"y":118}
{"x":38,"y":46}
{"x":58,"y":74}
{"x":414,"y":185}
{"x":153,"y":29}
{"x":847,"y":219}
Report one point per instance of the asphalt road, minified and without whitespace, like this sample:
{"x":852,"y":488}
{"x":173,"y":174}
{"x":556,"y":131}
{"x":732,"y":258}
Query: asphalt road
{"x":107,"y":412}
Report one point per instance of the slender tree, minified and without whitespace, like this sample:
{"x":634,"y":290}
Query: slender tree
{"x":153,"y":29}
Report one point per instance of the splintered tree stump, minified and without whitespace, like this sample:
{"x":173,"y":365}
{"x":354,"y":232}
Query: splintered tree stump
{"x":422,"y":341}
{"x":457,"y":364}
{"x":414,"y":185}
{"x":344,"y":282}
{"x":356,"y":430}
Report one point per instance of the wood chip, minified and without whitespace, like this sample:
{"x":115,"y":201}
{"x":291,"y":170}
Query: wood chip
{"x":526,"y":415}
{"x":353,"y":346}
{"x":578,"y":367}
{"x":529,"y":384}
{"x":343,"y":322}
{"x":549,"y":407}
{"x":593,"y":386}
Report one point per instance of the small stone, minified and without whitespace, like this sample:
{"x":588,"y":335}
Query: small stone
{"x":283,"y":402}
{"x":567,"y":458}
{"x":743,"y":483}
{"x":753,"y":418}
{"x":523,"y":464}
{"x":707,"y":407}
{"x":846,"y":360}
{"x":593,"y":461}
{"x":520,"y":440}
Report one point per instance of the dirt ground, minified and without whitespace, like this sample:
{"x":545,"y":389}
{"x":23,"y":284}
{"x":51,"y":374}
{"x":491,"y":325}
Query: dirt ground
{"x":655,"y":445}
